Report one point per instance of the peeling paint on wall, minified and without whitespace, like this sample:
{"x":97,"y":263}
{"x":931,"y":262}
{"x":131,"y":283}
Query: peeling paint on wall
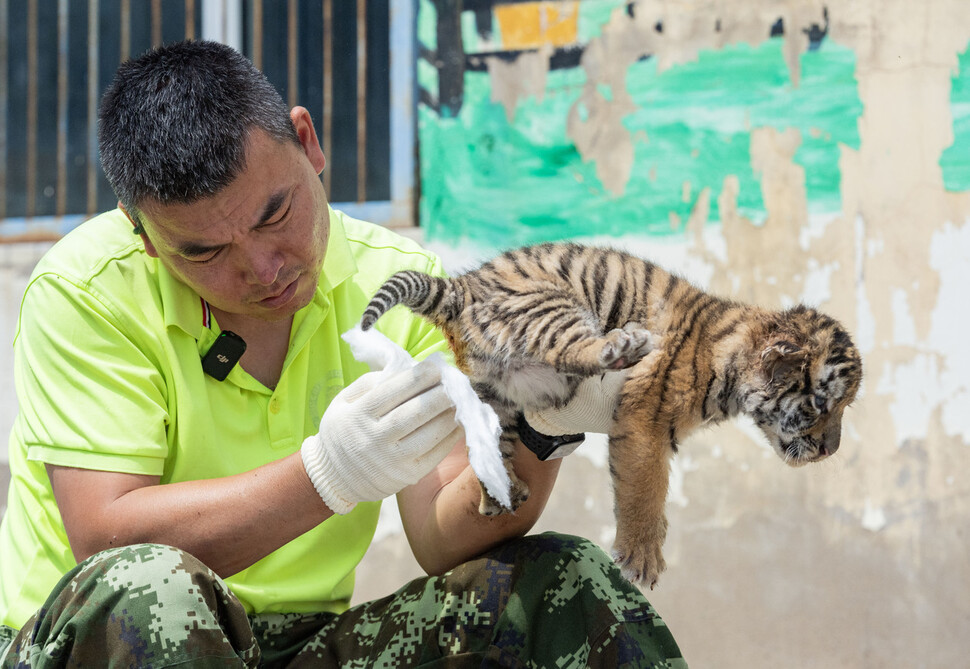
{"x":637,"y":119}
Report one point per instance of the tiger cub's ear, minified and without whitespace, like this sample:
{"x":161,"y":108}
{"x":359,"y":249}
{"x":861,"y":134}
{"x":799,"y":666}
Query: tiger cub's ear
{"x":780,"y":359}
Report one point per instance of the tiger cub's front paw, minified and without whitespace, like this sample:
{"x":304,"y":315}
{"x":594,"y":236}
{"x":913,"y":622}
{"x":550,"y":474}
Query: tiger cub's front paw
{"x":626,"y":347}
{"x":640,"y":558}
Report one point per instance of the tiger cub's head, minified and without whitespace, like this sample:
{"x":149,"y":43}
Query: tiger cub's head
{"x":809,"y":371}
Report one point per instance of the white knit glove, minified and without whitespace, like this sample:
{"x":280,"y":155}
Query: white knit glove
{"x":591,"y":409}
{"x":382,"y":433}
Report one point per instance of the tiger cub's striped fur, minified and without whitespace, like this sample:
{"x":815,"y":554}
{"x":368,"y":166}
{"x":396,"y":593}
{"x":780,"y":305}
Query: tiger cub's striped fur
{"x":529,"y":325}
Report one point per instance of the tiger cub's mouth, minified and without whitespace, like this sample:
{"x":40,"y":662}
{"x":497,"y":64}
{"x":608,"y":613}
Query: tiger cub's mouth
{"x":808,"y":447}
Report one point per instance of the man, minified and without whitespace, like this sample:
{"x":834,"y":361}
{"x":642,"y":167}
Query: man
{"x":175,"y":502}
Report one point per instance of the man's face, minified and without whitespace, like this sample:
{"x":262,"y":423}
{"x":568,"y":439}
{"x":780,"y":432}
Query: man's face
{"x":256,"y":248}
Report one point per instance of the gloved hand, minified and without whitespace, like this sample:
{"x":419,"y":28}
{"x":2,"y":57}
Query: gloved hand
{"x":591,"y":409}
{"x":382,"y":433}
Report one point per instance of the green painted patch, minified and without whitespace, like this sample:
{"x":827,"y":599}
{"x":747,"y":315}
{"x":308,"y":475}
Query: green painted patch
{"x":503,"y":184}
{"x":955,"y":160}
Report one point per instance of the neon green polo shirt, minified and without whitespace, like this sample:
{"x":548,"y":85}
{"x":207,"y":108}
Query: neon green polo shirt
{"x":108,"y":373}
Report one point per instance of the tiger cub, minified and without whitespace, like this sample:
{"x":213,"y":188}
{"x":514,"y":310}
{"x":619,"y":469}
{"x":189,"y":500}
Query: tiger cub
{"x":532,"y":323}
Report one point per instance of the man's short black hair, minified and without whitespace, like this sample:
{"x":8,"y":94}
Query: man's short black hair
{"x":173,"y":125}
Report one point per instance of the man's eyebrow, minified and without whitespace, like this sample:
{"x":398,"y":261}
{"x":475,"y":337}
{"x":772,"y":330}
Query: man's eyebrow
{"x":272,"y":206}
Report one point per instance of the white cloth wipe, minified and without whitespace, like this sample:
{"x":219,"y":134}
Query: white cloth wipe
{"x":479,"y":420}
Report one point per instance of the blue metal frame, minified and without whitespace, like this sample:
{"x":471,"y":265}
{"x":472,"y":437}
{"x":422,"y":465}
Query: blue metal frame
{"x":399,"y":210}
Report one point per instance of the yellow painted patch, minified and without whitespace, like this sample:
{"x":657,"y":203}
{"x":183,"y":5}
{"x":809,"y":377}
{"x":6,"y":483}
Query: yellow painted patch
{"x":530,"y":25}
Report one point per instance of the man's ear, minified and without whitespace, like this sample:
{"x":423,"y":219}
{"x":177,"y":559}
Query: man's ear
{"x":303,"y":125}
{"x":139,"y":230}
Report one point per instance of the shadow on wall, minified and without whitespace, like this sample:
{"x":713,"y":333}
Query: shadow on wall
{"x":17,"y":261}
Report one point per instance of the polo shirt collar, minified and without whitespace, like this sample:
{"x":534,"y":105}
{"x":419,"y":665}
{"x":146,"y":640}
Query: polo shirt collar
{"x":338,"y":265}
{"x":181,"y":306}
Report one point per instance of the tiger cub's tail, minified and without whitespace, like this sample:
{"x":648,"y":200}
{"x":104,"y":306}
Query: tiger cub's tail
{"x":433,"y":297}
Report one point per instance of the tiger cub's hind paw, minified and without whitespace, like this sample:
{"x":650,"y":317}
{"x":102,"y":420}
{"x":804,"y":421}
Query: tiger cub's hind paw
{"x":489,"y":506}
{"x":638,"y":550}
{"x":640,"y":564}
{"x":626,"y":347}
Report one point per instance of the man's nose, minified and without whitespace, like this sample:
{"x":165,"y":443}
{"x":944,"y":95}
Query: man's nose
{"x":262,"y":266}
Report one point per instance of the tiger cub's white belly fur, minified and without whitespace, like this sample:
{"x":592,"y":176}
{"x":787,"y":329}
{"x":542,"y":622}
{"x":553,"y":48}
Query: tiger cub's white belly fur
{"x":536,"y":386}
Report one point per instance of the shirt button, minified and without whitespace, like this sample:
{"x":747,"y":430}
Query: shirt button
{"x":274,"y":406}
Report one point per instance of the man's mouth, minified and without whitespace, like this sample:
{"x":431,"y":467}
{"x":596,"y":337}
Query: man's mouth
{"x":281,"y":298}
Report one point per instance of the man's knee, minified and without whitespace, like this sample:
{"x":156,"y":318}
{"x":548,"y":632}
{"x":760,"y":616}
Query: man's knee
{"x":146,"y":575}
{"x":551,"y":555}
{"x":140,"y":561}
{"x":571,"y":604}
{"x":149,"y":601}
{"x":550,"y":570}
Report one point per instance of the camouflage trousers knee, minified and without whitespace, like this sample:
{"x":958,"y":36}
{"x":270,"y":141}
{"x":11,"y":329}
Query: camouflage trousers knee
{"x":546,"y":600}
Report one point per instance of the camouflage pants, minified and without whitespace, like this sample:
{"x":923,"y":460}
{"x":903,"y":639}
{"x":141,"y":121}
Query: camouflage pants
{"x":546,"y":600}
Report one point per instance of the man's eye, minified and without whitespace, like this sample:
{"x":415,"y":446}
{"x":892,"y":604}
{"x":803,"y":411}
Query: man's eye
{"x":277,"y":221}
{"x":204,"y":258}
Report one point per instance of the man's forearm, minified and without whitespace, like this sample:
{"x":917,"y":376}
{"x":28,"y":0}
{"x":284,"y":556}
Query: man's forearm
{"x":228,"y":523}
{"x":453,"y":531}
